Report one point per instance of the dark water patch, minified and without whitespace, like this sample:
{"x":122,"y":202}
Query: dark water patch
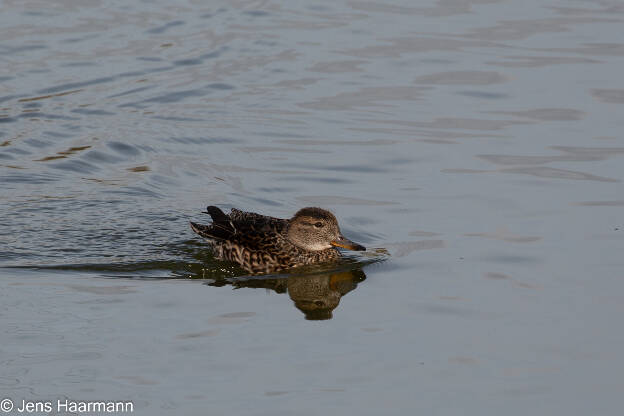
{"x":163,"y":180}
{"x":75,"y":85}
{"x":88,"y":112}
{"x":275,"y":189}
{"x":437,"y":10}
{"x":17,"y":151}
{"x":6,"y":156}
{"x":366,"y":97}
{"x":600,"y":203}
{"x":37,"y":143}
{"x":265,"y":201}
{"x":341,"y":200}
{"x":71,"y":127}
{"x":80,"y":39}
{"x":47,"y":116}
{"x":546,"y":172}
{"x":103,"y":290}
{"x":484,"y":95}
{"x":270,"y":149}
{"x":131,"y":91}
{"x":507,"y":236}
{"x":27,"y":178}
{"x":334,"y":67}
{"x":264,"y":42}
{"x":337,"y":168}
{"x":256,"y":13}
{"x":204,"y":140}
{"x":355,"y":168}
{"x":55,"y":134}
{"x":592,"y":49}
{"x":496,"y":276}
{"x":9,"y":98}
{"x":179,"y":119}
{"x":193,"y":335}
{"x":570,"y":154}
{"x":221,"y":86}
{"x":200,"y":59}
{"x":280,"y":134}
{"x":149,"y":58}
{"x":462,"y":78}
{"x":516,"y":30}
{"x":3,"y":79}
{"x":135,"y":191}
{"x":39,"y":71}
{"x":161,"y":29}
{"x":453,"y":123}
{"x":309,"y":178}
{"x":147,"y":269}
{"x":611,"y":96}
{"x":399,"y":46}
{"x":158,"y":69}
{"x":190,"y":61}
{"x":78,"y":64}
{"x":546,"y":114}
{"x":540,"y":172}
{"x":12,"y":50}
{"x":168,"y":98}
{"x":78,"y":166}
{"x":7,"y":256}
{"x":98,"y":156}
{"x":131,"y":74}
{"x":5,"y":119}
{"x":540,"y":61}
{"x":124,"y":149}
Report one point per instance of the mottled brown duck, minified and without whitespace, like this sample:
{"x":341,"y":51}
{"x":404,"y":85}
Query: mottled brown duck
{"x":263,"y":244}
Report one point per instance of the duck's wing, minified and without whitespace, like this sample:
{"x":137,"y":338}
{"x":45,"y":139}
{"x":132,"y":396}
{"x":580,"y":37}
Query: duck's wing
{"x":244,"y":217}
{"x":257,"y":232}
{"x":220,"y":229}
{"x":246,"y":229}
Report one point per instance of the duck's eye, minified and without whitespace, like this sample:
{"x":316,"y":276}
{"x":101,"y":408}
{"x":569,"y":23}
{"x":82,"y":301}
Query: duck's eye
{"x":318,"y":224}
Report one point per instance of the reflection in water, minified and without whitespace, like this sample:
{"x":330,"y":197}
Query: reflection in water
{"x":316,"y":295}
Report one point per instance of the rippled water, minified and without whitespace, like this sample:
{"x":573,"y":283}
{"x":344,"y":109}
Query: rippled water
{"x":478,"y":143}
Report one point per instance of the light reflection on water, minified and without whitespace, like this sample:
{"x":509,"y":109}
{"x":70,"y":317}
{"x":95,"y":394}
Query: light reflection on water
{"x":478,"y":141}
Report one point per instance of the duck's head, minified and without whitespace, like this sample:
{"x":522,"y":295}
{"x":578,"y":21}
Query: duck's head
{"x":315,"y":229}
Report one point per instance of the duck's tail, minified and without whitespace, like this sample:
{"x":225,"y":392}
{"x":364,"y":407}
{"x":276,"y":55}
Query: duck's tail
{"x":221,"y":227}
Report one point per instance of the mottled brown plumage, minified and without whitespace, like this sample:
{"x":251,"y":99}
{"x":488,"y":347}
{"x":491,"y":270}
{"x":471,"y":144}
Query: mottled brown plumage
{"x":262,"y":244}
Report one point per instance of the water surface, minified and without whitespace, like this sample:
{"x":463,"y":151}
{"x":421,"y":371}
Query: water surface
{"x":478,"y":143}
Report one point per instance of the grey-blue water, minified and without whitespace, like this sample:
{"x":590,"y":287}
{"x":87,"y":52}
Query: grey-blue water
{"x":475,"y":147}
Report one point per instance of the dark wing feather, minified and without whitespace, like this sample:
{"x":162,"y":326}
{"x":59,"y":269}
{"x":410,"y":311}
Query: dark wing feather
{"x":257,"y":232}
{"x":246,"y":229}
{"x":221,"y":227}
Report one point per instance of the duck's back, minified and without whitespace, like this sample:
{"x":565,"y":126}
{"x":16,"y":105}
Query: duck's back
{"x":254,"y":241}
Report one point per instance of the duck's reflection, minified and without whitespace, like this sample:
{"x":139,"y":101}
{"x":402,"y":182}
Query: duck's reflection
{"x":316,"y":295}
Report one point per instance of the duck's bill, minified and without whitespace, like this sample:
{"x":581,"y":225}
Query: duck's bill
{"x":348,"y":244}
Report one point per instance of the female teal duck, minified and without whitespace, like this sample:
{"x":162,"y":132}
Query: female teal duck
{"x":262,"y":244}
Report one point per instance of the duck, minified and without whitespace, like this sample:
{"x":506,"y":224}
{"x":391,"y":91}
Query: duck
{"x":262,"y":244}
